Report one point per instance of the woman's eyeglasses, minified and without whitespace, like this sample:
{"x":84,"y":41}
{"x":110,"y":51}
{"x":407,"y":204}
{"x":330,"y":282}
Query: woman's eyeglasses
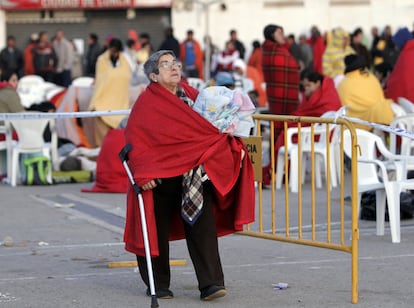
{"x":170,"y":65}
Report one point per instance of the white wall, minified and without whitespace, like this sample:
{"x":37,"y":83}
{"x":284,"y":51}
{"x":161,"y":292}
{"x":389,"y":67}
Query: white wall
{"x":249,"y":17}
{"x":2,"y":29}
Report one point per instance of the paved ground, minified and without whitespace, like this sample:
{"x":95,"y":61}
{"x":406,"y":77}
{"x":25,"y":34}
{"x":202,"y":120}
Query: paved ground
{"x":64,"y":239}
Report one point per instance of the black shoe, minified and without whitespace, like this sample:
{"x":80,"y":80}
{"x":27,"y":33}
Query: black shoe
{"x":212,"y":292}
{"x":162,"y":294}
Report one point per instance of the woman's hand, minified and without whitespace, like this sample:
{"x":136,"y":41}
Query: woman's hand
{"x":150,"y":185}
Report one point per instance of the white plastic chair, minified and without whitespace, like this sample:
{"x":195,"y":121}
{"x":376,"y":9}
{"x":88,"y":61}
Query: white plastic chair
{"x":373,"y":175}
{"x":319,"y":150}
{"x":5,"y":145}
{"x":197,"y":83}
{"x":398,"y":110}
{"x":83,"y":82}
{"x":292,"y":149}
{"x":31,"y":90}
{"x":407,"y":145}
{"x":406,"y":104}
{"x":30,"y":135}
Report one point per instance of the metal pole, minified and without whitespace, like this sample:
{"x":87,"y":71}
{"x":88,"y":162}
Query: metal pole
{"x":207,"y":38}
{"x":206,"y":9}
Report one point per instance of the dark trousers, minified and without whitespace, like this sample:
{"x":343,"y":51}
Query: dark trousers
{"x":201,"y":238}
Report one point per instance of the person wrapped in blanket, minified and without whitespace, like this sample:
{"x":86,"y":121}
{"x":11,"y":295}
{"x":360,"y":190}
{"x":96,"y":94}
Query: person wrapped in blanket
{"x":174,"y":143}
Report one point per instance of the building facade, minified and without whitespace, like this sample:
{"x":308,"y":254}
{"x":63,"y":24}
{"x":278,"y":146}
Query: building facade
{"x":249,"y":17}
{"x":213,"y":17}
{"x":78,"y":18}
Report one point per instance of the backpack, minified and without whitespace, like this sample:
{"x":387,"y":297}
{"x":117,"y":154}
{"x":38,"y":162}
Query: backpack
{"x":37,"y":169}
{"x":368,"y":206}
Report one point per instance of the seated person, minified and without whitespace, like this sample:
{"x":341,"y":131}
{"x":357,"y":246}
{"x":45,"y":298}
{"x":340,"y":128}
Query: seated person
{"x":9,"y":99}
{"x":362,"y":93}
{"x":318,"y":97}
{"x":400,"y":82}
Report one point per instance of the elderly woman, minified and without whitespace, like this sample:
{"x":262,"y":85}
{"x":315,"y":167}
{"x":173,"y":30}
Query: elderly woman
{"x":206,"y":188}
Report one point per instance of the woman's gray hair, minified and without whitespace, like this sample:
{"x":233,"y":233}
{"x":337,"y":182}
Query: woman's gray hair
{"x":151,"y":65}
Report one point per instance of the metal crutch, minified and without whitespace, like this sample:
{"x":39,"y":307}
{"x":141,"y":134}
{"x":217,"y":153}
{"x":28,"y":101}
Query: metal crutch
{"x":123,"y":155}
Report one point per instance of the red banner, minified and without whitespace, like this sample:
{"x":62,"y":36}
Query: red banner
{"x":11,"y":5}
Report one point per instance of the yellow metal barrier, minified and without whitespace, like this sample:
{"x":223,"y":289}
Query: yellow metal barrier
{"x":313,"y":237}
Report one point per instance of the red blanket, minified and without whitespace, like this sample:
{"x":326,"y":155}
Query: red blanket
{"x":168,"y":138}
{"x":111,"y":176}
{"x":281,"y":74}
{"x":400,"y":83}
{"x":324,"y":99}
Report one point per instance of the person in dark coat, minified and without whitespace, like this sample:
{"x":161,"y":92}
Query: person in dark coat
{"x":170,"y":42}
{"x":44,"y":58}
{"x":92,"y":55}
{"x":11,"y":57}
{"x":358,"y":46}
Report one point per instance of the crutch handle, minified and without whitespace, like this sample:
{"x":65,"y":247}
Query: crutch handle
{"x":123,"y":155}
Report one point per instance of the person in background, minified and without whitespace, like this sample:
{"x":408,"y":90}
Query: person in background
{"x":226,"y":58}
{"x":385,"y":50}
{"x":237,"y":44}
{"x":295,"y":50}
{"x":106,"y":42}
{"x":44,"y":58}
{"x":316,"y":41}
{"x":133,"y":36}
{"x":144,"y":39}
{"x":362,"y":93}
{"x":144,"y":53}
{"x":241,"y":81}
{"x":172,"y":142}
{"x":191,"y":57}
{"x":130,"y":50}
{"x":28,"y":54}
{"x":255,"y":59}
{"x":210,"y":52}
{"x":224,"y":79}
{"x":170,"y":42}
{"x":356,"y":43}
{"x":382,"y":71}
{"x":65,"y":58}
{"x":281,"y":74}
{"x":337,"y":49}
{"x":306,"y":51}
{"x":252,"y":82}
{"x":11,"y":57}
{"x":319,"y":96}
{"x":113,"y":75}
{"x":77,"y":70}
{"x":374,"y":38}
{"x":9,"y":103}
{"x":400,"y":81}
{"x":92,"y":54}
{"x":9,"y":99}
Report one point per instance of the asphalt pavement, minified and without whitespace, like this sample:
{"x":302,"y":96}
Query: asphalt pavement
{"x":57,"y":243}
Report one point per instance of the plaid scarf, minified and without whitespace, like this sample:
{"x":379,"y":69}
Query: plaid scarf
{"x":192,"y":198}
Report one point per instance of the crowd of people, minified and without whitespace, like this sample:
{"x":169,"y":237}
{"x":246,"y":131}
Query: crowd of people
{"x":272,"y":72}
{"x":207,"y":186}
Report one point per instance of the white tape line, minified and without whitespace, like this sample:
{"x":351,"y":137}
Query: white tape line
{"x":60,"y":115}
{"x":386,"y":128}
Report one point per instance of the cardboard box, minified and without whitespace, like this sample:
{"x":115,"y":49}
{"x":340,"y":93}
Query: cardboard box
{"x":254,"y":146}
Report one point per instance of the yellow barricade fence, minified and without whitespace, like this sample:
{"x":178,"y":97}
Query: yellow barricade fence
{"x":309,"y":202}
